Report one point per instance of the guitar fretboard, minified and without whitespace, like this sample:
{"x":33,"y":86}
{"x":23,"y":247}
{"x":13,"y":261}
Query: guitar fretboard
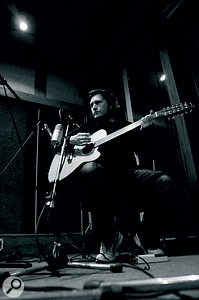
{"x":117,"y":133}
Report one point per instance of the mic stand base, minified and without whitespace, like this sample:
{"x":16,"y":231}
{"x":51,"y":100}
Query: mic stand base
{"x":59,"y":260}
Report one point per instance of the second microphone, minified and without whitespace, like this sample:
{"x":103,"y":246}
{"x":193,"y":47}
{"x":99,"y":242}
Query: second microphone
{"x":57,"y":135}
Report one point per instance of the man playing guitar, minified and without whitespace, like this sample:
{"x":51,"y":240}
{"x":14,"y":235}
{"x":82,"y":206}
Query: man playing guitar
{"x":110,"y":182}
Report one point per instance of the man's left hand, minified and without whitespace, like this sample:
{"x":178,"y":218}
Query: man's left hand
{"x":148,"y":120}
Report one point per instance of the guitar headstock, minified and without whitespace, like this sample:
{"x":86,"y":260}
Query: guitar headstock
{"x":177,"y":109}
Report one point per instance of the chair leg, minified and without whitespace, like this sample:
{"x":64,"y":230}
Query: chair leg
{"x":83,"y":233}
{"x":85,"y":215}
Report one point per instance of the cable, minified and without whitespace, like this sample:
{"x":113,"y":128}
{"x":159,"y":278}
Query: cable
{"x":147,"y":264}
{"x":87,"y":256}
{"x":131,"y":265}
{"x":77,"y":248}
{"x":144,"y":270}
{"x":71,"y":243}
{"x":41,"y":255}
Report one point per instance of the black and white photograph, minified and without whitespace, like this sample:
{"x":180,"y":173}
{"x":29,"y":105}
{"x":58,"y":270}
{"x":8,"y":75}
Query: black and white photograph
{"x":99,"y":149}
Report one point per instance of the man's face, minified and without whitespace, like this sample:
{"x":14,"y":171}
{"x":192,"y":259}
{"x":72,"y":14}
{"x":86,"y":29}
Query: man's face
{"x":99,"y":106}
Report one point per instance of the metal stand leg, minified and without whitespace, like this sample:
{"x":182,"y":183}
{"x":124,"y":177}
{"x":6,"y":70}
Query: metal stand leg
{"x":85,"y":229}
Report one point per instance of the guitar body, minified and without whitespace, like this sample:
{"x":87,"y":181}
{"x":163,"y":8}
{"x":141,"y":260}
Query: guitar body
{"x":80,"y":155}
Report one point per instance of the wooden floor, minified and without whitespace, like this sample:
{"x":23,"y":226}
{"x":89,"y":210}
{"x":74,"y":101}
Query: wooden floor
{"x":84,"y":279}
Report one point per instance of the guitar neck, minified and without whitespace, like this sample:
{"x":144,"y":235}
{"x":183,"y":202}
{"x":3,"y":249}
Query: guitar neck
{"x":117,"y":133}
{"x":165,"y":112}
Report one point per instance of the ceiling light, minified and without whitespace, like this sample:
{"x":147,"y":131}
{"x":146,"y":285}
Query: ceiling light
{"x":23,"y":26}
{"x":163,"y":77}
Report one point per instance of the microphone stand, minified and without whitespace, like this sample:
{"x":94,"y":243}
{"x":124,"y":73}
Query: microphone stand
{"x":58,"y":259}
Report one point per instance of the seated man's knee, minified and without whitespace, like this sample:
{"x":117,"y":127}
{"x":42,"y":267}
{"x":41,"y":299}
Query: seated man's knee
{"x":91,"y":168}
{"x":165,"y":182}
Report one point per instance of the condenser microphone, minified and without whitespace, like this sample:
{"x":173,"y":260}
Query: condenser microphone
{"x":57,"y":135}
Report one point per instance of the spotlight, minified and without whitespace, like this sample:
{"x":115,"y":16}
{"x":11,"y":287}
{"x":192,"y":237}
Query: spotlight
{"x":163,"y":77}
{"x":23,"y":26}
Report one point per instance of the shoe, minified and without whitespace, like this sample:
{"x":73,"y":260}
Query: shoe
{"x":109,"y":254}
{"x":156,"y":252}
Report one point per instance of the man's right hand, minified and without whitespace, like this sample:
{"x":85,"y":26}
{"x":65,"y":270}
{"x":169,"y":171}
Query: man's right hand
{"x":80,"y":139}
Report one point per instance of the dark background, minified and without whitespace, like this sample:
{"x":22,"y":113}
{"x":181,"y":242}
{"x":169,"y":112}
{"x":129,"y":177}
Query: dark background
{"x":89,"y":43}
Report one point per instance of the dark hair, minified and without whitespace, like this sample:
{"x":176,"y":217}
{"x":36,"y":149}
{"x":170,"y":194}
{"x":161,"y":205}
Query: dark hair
{"x":108,"y":95}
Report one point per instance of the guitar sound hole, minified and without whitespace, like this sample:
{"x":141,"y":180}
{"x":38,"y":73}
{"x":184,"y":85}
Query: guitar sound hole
{"x":87,"y":148}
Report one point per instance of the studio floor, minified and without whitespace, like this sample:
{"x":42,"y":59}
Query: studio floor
{"x":84,"y":279}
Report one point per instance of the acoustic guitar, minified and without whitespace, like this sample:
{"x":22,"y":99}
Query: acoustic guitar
{"x":90,"y":152}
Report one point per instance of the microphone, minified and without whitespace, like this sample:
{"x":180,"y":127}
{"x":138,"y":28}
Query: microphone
{"x":114,"y":267}
{"x":57,"y":135}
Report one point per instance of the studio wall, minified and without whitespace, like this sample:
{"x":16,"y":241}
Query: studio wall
{"x":26,"y":154}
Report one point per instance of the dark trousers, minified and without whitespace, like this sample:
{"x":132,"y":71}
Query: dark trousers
{"x":116,"y":197}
